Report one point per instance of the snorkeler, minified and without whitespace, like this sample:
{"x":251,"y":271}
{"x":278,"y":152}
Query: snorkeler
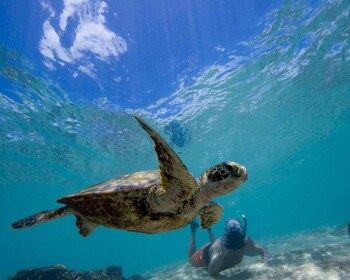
{"x":226,"y":251}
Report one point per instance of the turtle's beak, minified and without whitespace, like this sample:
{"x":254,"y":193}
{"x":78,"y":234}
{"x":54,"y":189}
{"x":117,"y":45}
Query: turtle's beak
{"x":243,"y":172}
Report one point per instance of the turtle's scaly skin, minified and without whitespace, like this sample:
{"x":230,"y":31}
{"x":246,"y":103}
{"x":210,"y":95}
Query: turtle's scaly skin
{"x":149,"y":201}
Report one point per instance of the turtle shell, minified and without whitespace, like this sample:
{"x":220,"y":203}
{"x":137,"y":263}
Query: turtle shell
{"x":131,"y":183}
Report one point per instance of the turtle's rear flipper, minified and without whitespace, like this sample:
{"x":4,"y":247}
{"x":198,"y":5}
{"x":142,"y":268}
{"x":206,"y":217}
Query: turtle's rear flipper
{"x":210,"y":214}
{"x":85,"y":227}
{"x":41,"y":217}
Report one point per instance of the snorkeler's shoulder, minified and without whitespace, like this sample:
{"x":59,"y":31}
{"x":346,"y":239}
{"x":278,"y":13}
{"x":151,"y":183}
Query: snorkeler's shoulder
{"x":249,"y":243}
{"x":216,"y":247}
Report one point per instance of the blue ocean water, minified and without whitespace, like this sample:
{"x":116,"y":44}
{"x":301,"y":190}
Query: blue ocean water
{"x":265,"y":84}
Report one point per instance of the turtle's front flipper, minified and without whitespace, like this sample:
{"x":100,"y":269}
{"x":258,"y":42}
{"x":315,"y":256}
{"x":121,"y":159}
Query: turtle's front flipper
{"x":210,"y":214}
{"x":177,"y":182}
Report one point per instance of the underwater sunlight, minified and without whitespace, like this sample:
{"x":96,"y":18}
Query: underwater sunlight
{"x":262,"y":87}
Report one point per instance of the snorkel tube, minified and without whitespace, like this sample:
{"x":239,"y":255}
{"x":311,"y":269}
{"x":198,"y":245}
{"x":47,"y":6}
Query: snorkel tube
{"x":245,"y":225}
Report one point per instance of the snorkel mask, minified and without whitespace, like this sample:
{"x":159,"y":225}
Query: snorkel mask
{"x":235,"y":233}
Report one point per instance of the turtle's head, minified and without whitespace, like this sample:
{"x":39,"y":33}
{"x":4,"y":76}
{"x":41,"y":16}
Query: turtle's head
{"x":222,"y":178}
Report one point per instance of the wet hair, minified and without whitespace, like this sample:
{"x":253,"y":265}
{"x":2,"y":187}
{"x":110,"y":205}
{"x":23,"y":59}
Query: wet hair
{"x":235,"y":233}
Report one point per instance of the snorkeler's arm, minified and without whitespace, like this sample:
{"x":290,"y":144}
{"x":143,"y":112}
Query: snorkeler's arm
{"x":216,"y":258}
{"x":253,"y":249}
{"x":211,"y":235}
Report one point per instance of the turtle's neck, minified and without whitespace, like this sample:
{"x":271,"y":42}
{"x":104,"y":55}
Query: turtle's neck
{"x":203,"y":196}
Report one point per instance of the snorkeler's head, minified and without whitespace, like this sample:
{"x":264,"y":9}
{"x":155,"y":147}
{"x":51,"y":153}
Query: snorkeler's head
{"x":235,"y":233}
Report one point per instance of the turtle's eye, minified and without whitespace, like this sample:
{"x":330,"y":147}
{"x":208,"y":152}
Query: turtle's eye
{"x":233,"y":170}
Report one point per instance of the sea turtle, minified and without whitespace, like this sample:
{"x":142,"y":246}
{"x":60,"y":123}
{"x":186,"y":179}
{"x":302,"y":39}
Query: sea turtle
{"x":149,"y":201}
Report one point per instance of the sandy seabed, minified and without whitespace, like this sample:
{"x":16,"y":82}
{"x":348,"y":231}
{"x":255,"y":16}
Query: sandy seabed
{"x":319,"y":254}
{"x":314,"y":255}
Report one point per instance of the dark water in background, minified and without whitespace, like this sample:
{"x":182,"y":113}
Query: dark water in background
{"x":280,"y":106}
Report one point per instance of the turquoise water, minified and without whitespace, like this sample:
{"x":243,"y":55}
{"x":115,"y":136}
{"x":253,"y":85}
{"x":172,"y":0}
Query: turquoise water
{"x":279,"y":103}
